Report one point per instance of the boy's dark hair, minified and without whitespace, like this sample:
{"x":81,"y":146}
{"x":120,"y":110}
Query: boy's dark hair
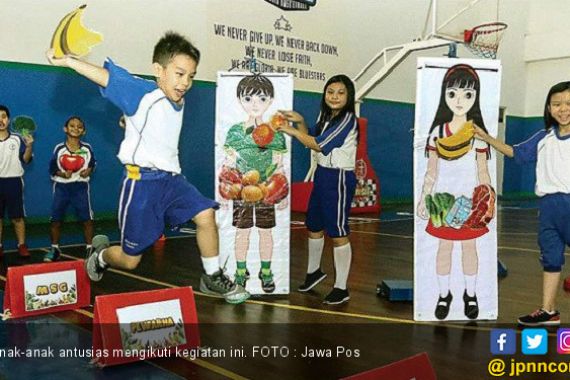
{"x":171,"y":45}
{"x":549,"y":121}
{"x":326,"y":112}
{"x":5,"y":109}
{"x":255,"y":85}
{"x":74,"y":117}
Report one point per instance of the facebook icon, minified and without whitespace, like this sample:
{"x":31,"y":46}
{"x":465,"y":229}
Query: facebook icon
{"x":503,"y":341}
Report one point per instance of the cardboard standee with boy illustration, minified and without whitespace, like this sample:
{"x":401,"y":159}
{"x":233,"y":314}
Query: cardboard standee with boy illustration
{"x":455,"y":237}
{"x":252,"y":182}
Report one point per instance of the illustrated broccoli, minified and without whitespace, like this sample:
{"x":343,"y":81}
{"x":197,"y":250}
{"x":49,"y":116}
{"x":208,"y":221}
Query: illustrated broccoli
{"x":438,"y":206}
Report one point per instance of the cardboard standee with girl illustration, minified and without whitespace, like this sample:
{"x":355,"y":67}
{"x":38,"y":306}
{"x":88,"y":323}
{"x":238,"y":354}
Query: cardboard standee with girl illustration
{"x":253,"y":179}
{"x":455,"y":239}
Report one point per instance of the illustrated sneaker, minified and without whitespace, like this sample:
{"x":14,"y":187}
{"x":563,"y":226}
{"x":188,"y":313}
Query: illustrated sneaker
{"x":92,"y":267}
{"x":220,"y":285}
{"x":311,"y":280}
{"x":52,"y":255}
{"x":471,"y":309}
{"x":337,"y":296}
{"x":540,"y":317}
{"x":267,"y":283}
{"x":442,"y":308}
{"x":23,"y":250}
{"x":241,"y":279}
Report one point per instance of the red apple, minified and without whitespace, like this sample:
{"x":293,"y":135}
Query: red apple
{"x":277,"y":189}
{"x":71,"y":163}
{"x":262,"y":135}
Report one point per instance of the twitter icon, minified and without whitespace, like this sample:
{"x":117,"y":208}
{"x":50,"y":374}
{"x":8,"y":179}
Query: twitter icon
{"x":534,"y":341}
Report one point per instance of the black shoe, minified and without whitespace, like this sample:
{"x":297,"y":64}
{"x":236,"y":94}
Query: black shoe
{"x":442,"y":308}
{"x":311,"y":280}
{"x":471,"y":306}
{"x":267,"y":283}
{"x":540,"y":317}
{"x":337,"y":296}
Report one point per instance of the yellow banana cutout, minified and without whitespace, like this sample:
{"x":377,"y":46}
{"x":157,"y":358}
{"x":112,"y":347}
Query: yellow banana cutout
{"x":71,"y":37}
{"x":458,"y":144}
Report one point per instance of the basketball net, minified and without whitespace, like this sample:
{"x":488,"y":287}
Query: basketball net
{"x":483,"y":40}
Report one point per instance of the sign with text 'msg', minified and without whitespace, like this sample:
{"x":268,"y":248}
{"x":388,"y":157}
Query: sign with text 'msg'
{"x":46,"y":288}
{"x":135,"y":326}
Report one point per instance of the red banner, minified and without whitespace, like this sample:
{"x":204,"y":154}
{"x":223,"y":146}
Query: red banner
{"x":46,"y":288}
{"x":135,"y":326}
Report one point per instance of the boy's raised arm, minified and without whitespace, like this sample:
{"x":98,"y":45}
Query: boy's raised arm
{"x":96,"y":74}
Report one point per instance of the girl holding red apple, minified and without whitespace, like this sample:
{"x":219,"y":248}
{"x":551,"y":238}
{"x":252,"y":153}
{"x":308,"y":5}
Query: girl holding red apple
{"x":70,"y":167}
{"x":334,"y":138}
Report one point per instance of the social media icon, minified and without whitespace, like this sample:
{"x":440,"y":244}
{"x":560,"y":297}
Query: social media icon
{"x":534,"y":341}
{"x":563,"y":341}
{"x":503,"y":341}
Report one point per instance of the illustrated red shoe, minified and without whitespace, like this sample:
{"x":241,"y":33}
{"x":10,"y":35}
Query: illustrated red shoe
{"x":23,"y":250}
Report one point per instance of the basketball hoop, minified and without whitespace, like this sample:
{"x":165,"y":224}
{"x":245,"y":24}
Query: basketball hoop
{"x":483,"y":40}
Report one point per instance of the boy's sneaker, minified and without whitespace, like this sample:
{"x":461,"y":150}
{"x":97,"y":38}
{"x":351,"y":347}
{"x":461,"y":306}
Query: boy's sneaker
{"x":241,"y":279}
{"x":337,"y":296}
{"x":23,"y":250}
{"x":220,"y":285}
{"x":267,"y":283}
{"x":52,"y":255}
{"x":311,"y":280}
{"x":92,"y":267}
{"x":540,"y":317}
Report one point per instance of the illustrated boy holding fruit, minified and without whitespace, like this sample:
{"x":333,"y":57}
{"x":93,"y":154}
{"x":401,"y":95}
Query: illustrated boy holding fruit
{"x":71,"y":166}
{"x":253,"y":176}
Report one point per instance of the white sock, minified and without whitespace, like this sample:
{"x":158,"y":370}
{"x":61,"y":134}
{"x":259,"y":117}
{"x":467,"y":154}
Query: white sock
{"x":55,"y":246}
{"x":342,"y":259}
{"x":211,"y":264}
{"x":315,"y":253}
{"x":102,"y":262}
{"x":88,"y":246}
{"x":443,"y":281}
{"x":470,"y":284}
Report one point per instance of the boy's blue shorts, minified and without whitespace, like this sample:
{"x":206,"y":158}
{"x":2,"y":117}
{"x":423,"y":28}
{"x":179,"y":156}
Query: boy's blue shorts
{"x":554,"y":230}
{"x":151,"y":202}
{"x":12,"y":197}
{"x":330,"y":202}
{"x":75,"y":194}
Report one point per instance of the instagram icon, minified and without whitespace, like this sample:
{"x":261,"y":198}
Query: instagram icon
{"x":563,"y":343}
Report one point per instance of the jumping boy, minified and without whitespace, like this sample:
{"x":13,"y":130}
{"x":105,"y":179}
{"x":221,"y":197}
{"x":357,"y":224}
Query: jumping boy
{"x":154,"y":192}
{"x":14,"y":150}
{"x":70,"y":168}
{"x":255,"y":94}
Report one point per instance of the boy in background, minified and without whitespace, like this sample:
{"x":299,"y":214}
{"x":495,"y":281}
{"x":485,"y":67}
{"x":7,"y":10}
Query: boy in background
{"x":15,"y":150}
{"x":71,"y":166}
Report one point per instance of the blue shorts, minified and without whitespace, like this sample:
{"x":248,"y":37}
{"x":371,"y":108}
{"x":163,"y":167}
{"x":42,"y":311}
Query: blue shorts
{"x":554,"y":230}
{"x":75,"y":194}
{"x":153,"y":201}
{"x":330,"y":202}
{"x":12,"y":197}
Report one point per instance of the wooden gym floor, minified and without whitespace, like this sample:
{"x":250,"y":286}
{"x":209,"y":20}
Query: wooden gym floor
{"x":366,"y":333}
